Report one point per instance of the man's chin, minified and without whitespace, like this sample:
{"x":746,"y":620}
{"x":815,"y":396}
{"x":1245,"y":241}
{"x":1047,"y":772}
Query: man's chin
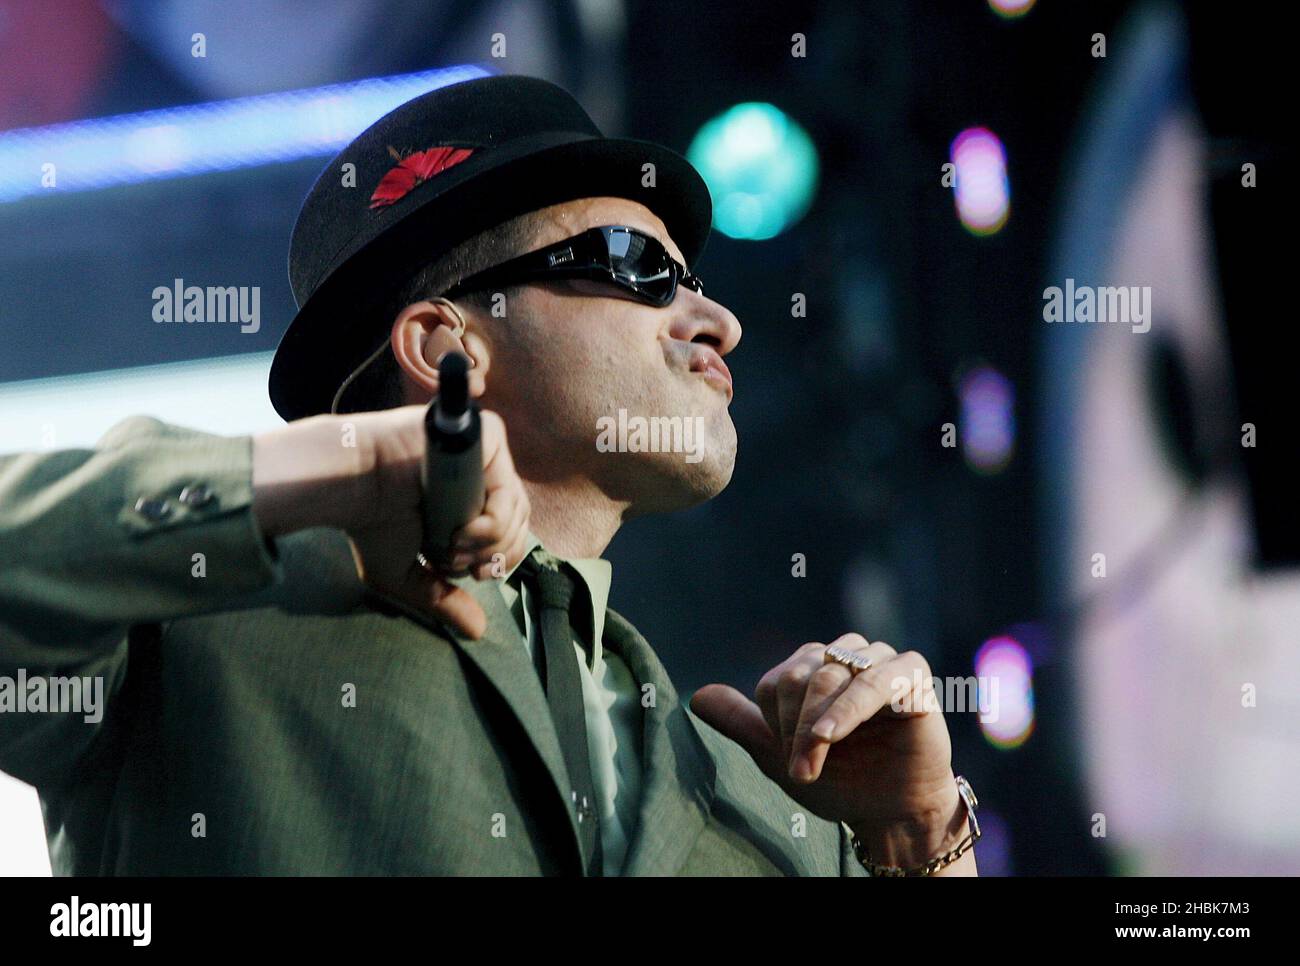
{"x":667,"y":487}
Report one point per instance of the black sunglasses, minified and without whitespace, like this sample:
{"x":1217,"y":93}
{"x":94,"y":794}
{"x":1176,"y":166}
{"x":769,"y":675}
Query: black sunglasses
{"x":631,"y":259}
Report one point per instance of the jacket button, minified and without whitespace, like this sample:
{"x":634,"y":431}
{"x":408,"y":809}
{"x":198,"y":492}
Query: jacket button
{"x":197,"y":495}
{"x":153,"y":509}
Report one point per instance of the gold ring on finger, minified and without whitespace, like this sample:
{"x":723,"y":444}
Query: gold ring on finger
{"x":852,"y":660}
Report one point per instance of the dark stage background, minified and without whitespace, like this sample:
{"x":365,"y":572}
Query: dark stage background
{"x":917,"y":315}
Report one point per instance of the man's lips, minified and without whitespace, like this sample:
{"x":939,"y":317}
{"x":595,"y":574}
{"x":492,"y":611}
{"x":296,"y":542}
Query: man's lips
{"x":707,"y":362}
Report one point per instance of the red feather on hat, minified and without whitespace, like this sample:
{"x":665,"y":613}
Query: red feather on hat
{"x":415,"y":169}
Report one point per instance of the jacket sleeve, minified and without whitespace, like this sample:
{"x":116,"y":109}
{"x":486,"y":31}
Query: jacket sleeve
{"x":153,"y":524}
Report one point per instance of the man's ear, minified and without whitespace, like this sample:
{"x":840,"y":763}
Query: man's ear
{"x":424,"y":331}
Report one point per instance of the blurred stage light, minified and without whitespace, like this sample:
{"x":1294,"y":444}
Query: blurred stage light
{"x":761,"y":168}
{"x":981,"y":189}
{"x":218,"y":136}
{"x":988,"y":420}
{"x":1010,"y":9}
{"x":1006,"y":687}
{"x":217,"y":395}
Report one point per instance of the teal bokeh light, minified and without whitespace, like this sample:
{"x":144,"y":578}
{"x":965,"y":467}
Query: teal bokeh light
{"x":761,"y":168}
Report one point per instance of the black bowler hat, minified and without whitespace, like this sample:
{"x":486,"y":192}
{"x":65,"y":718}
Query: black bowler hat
{"x":432,"y":173}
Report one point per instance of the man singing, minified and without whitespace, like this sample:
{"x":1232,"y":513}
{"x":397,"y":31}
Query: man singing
{"x":315,"y":698}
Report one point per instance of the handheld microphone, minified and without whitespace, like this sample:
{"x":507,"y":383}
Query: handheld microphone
{"x":452,"y":474}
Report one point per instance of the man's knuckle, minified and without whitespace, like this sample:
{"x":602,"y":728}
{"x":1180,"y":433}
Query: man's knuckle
{"x":827,"y":678}
{"x":874,"y":681}
{"x":917,"y":660}
{"x":793,"y":681}
{"x":852,"y":639}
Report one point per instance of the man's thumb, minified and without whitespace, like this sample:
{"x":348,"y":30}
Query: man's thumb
{"x":740,"y":719}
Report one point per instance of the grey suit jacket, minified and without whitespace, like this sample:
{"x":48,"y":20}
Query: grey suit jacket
{"x":267,"y":715}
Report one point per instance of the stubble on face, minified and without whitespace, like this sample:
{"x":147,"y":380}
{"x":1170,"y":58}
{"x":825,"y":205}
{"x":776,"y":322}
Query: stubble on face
{"x":568,"y":355}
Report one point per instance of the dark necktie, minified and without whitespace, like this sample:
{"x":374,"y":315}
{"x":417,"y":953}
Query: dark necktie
{"x":563,"y":686}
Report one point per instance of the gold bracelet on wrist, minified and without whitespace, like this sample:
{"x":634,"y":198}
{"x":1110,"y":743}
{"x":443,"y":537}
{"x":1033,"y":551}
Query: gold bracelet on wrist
{"x":876,"y":870}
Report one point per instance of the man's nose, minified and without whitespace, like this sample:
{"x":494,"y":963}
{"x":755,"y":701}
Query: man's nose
{"x":706,"y":320}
